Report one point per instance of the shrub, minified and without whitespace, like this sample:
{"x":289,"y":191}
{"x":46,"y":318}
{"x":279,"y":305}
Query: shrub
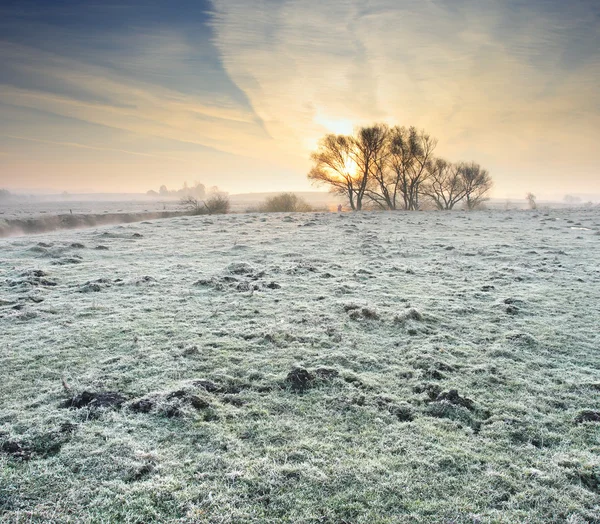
{"x":285,"y":203}
{"x":217,"y":204}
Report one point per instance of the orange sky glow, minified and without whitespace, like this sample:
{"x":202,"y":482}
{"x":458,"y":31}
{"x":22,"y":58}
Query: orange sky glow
{"x":237,"y":93}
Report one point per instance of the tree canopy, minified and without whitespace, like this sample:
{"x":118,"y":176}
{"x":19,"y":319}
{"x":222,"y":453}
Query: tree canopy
{"x":396,"y":168}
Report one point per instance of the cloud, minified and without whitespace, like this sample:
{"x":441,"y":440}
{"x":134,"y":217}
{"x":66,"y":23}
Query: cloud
{"x":135,"y":106}
{"x":490,"y":79}
{"x":250,"y":87}
{"x":77,"y":145}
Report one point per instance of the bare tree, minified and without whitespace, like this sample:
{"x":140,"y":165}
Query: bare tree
{"x":445,"y":185}
{"x":531,"y":200}
{"x":369,"y":153}
{"x":347,"y":163}
{"x":334,"y":166}
{"x":410,"y":155}
{"x":193,"y":205}
{"x":477,"y":183}
{"x":392,"y":168}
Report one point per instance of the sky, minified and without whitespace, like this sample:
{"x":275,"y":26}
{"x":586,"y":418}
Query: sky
{"x":108,"y":96}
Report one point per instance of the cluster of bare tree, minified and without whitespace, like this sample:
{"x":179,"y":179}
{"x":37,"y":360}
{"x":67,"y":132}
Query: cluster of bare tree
{"x":395,"y":168}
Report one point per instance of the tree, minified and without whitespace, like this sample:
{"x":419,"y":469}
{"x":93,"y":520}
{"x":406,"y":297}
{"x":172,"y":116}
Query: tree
{"x":348,"y":163}
{"x":531,"y":200}
{"x":285,"y":203}
{"x":193,"y":205}
{"x":393,"y":168}
{"x":445,"y":185}
{"x":477,"y":183}
{"x":334,"y":165}
{"x":199,"y":190}
{"x":411,"y":152}
{"x":369,"y":153}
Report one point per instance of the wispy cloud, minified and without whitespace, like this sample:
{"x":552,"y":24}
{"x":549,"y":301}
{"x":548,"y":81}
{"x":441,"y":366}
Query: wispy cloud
{"x":242,"y":89}
{"x":489,"y":78}
{"x":136,"y":106}
{"x":87,"y":146}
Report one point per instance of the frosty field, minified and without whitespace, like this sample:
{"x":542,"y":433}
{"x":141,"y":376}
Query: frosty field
{"x":369,"y":367}
{"x":28,"y":210}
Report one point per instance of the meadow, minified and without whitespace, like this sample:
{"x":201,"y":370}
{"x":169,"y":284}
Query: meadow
{"x":381,"y":367}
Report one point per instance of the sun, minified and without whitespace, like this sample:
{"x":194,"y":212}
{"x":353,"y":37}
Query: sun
{"x":351,"y":167}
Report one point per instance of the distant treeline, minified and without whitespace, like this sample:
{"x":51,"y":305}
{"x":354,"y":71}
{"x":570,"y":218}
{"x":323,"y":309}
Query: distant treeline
{"x":392,"y":168}
{"x":5,"y":195}
{"x":198,"y":190}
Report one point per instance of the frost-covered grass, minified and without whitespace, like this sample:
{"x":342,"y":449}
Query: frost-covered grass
{"x":19,"y":217}
{"x":40,"y":209}
{"x":374,"y":367}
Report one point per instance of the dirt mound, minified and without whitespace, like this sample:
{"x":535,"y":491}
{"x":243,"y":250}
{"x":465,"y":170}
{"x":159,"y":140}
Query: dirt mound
{"x":358,"y":312}
{"x":410,"y":314}
{"x":171,"y":404}
{"x":240,"y":268}
{"x":38,"y":445}
{"x":453,"y":397}
{"x":326,"y":373}
{"x":99,"y":400}
{"x":587,"y":415}
{"x":238,"y":276}
{"x":17,"y":450}
{"x":299,"y":379}
{"x":207,"y":385}
{"x":32,"y":279}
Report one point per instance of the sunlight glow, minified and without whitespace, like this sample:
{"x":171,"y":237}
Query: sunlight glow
{"x":351,"y":167}
{"x":339,"y":126}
